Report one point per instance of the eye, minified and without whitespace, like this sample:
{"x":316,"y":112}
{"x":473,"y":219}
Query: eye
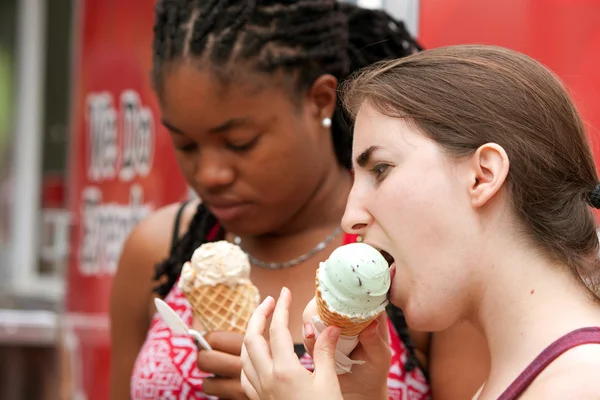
{"x":188,"y":148}
{"x":379,"y":170}
{"x":242,"y":147}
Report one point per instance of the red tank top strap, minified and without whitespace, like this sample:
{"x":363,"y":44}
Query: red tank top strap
{"x":214,"y":231}
{"x":590,"y":335}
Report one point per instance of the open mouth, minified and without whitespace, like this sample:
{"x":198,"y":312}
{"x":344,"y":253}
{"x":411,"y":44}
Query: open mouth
{"x":387,"y":257}
{"x":390,"y":260}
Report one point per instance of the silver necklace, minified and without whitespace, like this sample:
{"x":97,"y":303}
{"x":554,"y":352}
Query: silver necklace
{"x":279,"y":265}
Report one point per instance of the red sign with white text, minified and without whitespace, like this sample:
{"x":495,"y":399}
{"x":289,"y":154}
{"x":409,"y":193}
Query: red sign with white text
{"x":122,"y":167}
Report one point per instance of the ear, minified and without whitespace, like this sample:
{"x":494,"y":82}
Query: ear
{"x":489,"y":169}
{"x":322,"y":97}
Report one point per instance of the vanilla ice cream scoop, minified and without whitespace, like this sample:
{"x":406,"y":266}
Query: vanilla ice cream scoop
{"x":354,"y":281}
{"x":216,"y":263}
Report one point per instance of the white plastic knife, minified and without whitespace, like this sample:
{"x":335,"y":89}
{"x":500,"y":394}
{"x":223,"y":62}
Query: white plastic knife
{"x":176,"y":324}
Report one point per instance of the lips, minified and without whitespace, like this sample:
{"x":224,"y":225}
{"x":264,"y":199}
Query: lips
{"x":227,"y":210}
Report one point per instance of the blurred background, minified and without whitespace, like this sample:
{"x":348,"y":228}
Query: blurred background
{"x":83,"y":157}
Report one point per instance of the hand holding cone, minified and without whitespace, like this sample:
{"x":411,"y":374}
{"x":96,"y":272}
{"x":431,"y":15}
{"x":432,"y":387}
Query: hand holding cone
{"x":351,"y":291}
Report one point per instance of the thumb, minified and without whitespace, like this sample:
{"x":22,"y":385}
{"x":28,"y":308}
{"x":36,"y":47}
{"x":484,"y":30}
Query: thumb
{"x":324,"y":353}
{"x":374,"y":341}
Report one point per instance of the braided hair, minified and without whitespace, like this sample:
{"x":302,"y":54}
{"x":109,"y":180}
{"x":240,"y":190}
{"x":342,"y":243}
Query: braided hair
{"x":304,"y":39}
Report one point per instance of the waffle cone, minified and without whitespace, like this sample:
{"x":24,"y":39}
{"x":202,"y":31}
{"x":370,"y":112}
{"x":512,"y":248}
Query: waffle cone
{"x":349,"y":326}
{"x":223,"y":308}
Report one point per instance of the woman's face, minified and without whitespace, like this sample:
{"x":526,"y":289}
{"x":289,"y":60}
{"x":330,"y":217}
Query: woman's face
{"x":251,"y":154}
{"x":411,"y":200}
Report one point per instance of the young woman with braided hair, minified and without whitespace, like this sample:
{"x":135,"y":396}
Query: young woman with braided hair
{"x":247,"y":90}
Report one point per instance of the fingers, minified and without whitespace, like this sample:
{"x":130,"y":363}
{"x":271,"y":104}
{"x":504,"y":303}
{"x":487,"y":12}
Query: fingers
{"x":282,"y":344}
{"x":196,"y":325}
{"x":227,"y":342}
{"x":224,"y":388}
{"x":308,"y":329}
{"x":383,"y":327}
{"x":257,"y":348}
{"x":324,"y":353}
{"x":219,"y":363}
{"x":374,"y":341}
{"x":248,"y":372}
{"x":248,"y":388}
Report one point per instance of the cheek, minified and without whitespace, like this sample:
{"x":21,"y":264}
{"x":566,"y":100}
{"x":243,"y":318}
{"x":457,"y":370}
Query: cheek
{"x":274,"y":164}
{"x":278,"y":171}
{"x":187,"y":166}
{"x":406,"y":212}
{"x":426,"y":216}
{"x":425,"y":220}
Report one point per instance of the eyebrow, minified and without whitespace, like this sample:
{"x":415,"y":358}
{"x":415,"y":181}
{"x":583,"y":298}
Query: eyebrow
{"x":222,"y":128}
{"x":365,"y":156}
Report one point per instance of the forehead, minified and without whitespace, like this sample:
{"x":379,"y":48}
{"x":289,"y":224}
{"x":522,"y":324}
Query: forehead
{"x":373,"y":128}
{"x":394,"y":139}
{"x":191,"y":95}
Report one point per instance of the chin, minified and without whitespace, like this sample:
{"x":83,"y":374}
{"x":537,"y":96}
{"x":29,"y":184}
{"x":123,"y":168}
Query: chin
{"x":240,"y":227}
{"x":247,"y":226}
{"x":428,"y":317}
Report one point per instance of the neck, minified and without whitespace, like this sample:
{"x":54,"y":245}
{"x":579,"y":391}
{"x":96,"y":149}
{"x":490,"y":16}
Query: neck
{"x":319,"y":217}
{"x":325,"y":206}
{"x":311,"y":224}
{"x":528,"y":305}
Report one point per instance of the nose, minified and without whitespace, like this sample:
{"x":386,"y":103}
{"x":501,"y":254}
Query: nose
{"x":213,"y":172}
{"x":356,"y":219}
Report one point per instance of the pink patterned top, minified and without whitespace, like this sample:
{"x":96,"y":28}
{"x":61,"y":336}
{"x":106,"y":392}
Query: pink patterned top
{"x":166,"y":365}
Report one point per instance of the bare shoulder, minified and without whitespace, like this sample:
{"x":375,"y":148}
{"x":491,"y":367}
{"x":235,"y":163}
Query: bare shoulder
{"x":574,"y":375}
{"x":146,"y":245}
{"x":132,"y":293}
{"x":149,"y":242}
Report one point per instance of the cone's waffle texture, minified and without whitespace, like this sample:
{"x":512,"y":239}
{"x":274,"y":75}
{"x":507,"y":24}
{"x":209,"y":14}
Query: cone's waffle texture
{"x":223,"y":308}
{"x":349,"y":326}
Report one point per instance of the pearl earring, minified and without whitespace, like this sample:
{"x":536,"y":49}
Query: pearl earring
{"x":326,"y":122}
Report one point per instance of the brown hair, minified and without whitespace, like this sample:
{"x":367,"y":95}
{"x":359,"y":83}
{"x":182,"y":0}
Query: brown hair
{"x":465,"y":96}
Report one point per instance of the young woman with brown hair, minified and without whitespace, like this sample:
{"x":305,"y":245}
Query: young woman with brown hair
{"x":473,"y":170}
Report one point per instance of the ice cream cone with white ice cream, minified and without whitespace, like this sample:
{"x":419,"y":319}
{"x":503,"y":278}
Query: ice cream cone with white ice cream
{"x":351,"y":291}
{"x":216,"y":282}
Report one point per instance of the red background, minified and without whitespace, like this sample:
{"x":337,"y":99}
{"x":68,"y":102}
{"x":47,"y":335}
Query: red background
{"x":562,"y":34}
{"x":113,"y":53}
